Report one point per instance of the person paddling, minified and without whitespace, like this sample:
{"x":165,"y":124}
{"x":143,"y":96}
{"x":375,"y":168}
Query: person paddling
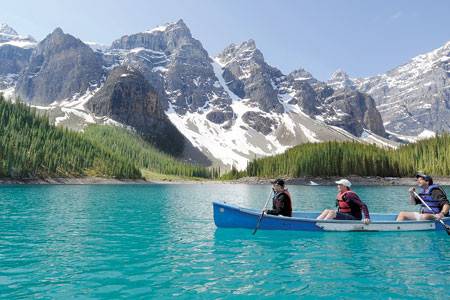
{"x":348,"y":203}
{"x":433,"y":195}
{"x":281,"y":201}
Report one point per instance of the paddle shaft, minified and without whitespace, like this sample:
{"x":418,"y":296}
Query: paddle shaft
{"x":447,"y":228}
{"x":262,"y":213}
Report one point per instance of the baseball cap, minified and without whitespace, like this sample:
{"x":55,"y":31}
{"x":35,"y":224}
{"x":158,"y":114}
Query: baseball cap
{"x":344,"y":182}
{"x":278,"y":181}
{"x":424,"y":176}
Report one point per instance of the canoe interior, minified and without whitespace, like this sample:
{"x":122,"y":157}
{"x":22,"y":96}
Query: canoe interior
{"x":312,"y":215}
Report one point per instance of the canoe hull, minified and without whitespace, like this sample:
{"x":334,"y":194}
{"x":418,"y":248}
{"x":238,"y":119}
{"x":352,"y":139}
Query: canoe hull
{"x":232,"y":216}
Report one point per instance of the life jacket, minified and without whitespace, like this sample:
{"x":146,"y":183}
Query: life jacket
{"x":342,"y":205}
{"x":287,"y":210}
{"x":428,"y":199}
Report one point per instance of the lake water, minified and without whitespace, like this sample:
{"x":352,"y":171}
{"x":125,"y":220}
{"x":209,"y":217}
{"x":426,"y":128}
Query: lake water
{"x":160,"y":241}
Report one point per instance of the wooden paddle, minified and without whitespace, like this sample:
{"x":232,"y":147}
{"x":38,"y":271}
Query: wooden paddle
{"x":262,"y":213}
{"x":446,"y":227}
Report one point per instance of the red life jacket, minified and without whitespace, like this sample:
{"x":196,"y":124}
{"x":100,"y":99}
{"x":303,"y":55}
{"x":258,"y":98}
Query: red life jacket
{"x":343,"y":206}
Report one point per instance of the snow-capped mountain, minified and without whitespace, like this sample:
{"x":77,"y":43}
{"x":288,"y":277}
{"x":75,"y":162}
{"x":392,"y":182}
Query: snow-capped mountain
{"x":235,"y":107}
{"x":414,"y":98}
{"x":232,"y":107}
{"x":8,"y":36}
{"x":15,"y":51}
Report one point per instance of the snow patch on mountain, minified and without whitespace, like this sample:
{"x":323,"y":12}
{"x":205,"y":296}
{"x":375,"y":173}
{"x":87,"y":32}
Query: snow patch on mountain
{"x":158,"y":28}
{"x":8,"y":36}
{"x":217,"y":66}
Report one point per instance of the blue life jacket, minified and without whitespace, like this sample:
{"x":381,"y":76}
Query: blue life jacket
{"x":428,"y":199}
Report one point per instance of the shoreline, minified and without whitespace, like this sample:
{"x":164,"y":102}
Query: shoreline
{"x":306,"y":180}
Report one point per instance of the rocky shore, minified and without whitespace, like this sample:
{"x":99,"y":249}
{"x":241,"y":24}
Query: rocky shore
{"x":307,"y":180}
{"x":356,"y":180}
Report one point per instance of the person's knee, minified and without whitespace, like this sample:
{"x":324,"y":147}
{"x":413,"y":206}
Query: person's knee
{"x":331,"y":214}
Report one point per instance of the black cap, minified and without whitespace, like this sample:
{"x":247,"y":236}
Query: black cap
{"x":424,"y":176}
{"x":278,"y":181}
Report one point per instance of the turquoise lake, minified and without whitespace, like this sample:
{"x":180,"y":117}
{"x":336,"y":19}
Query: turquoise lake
{"x":160,"y":241}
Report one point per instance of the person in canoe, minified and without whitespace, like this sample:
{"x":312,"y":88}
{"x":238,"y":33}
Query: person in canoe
{"x":348,"y":203}
{"x":281,"y":201}
{"x":433,"y":195}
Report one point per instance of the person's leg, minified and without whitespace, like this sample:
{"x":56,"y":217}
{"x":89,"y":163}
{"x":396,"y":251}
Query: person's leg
{"x":331,"y":214}
{"x":323,"y":215}
{"x":427,"y":217}
{"x":407,"y":215}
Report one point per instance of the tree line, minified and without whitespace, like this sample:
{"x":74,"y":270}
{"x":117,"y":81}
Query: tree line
{"x":353,"y":158}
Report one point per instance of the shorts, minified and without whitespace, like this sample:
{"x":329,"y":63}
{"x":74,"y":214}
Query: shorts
{"x":418,"y":216}
{"x":343,"y":216}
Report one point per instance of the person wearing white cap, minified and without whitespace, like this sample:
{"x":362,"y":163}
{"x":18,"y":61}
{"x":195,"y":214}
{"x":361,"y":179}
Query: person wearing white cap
{"x":348,"y":203}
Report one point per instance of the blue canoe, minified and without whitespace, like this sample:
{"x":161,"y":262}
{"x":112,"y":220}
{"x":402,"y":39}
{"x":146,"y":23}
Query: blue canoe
{"x":228,"y":215}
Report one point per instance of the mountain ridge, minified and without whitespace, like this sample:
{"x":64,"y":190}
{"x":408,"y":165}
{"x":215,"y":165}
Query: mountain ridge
{"x":232,"y":107}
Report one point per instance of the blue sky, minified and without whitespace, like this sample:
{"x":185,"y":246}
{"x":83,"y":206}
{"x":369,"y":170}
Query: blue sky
{"x":363,"y":38}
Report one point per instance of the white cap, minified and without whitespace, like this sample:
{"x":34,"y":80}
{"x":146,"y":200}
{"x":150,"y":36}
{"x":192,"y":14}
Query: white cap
{"x":344,"y":182}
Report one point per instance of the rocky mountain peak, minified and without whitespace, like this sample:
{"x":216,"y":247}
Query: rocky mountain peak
{"x":167,"y":37}
{"x":8,"y":36}
{"x":339,"y":74}
{"x":340,"y":80}
{"x":57,"y":32}
{"x":6,"y":29}
{"x":301,"y":75}
{"x":179,"y":25}
{"x":58,"y":41}
{"x":59,"y":67}
{"x":245,"y":51}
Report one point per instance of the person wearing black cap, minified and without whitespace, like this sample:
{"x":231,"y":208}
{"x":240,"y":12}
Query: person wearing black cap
{"x":281,"y":201}
{"x":433,"y":195}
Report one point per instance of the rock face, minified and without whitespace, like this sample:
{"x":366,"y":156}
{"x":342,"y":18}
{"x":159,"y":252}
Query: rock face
{"x":413,"y":98}
{"x":177,"y":65}
{"x":249,"y":76}
{"x":355,"y":112}
{"x":60,"y":67}
{"x":128,"y":98}
{"x":13,"y":59}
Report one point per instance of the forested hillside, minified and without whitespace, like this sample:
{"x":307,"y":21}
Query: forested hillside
{"x":30,"y":147}
{"x":133,"y":148}
{"x":351,"y":158}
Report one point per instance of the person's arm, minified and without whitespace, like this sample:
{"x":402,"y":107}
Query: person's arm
{"x":355,"y":199}
{"x":439,"y":195}
{"x":412,"y":198}
{"x":279,"y":205}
